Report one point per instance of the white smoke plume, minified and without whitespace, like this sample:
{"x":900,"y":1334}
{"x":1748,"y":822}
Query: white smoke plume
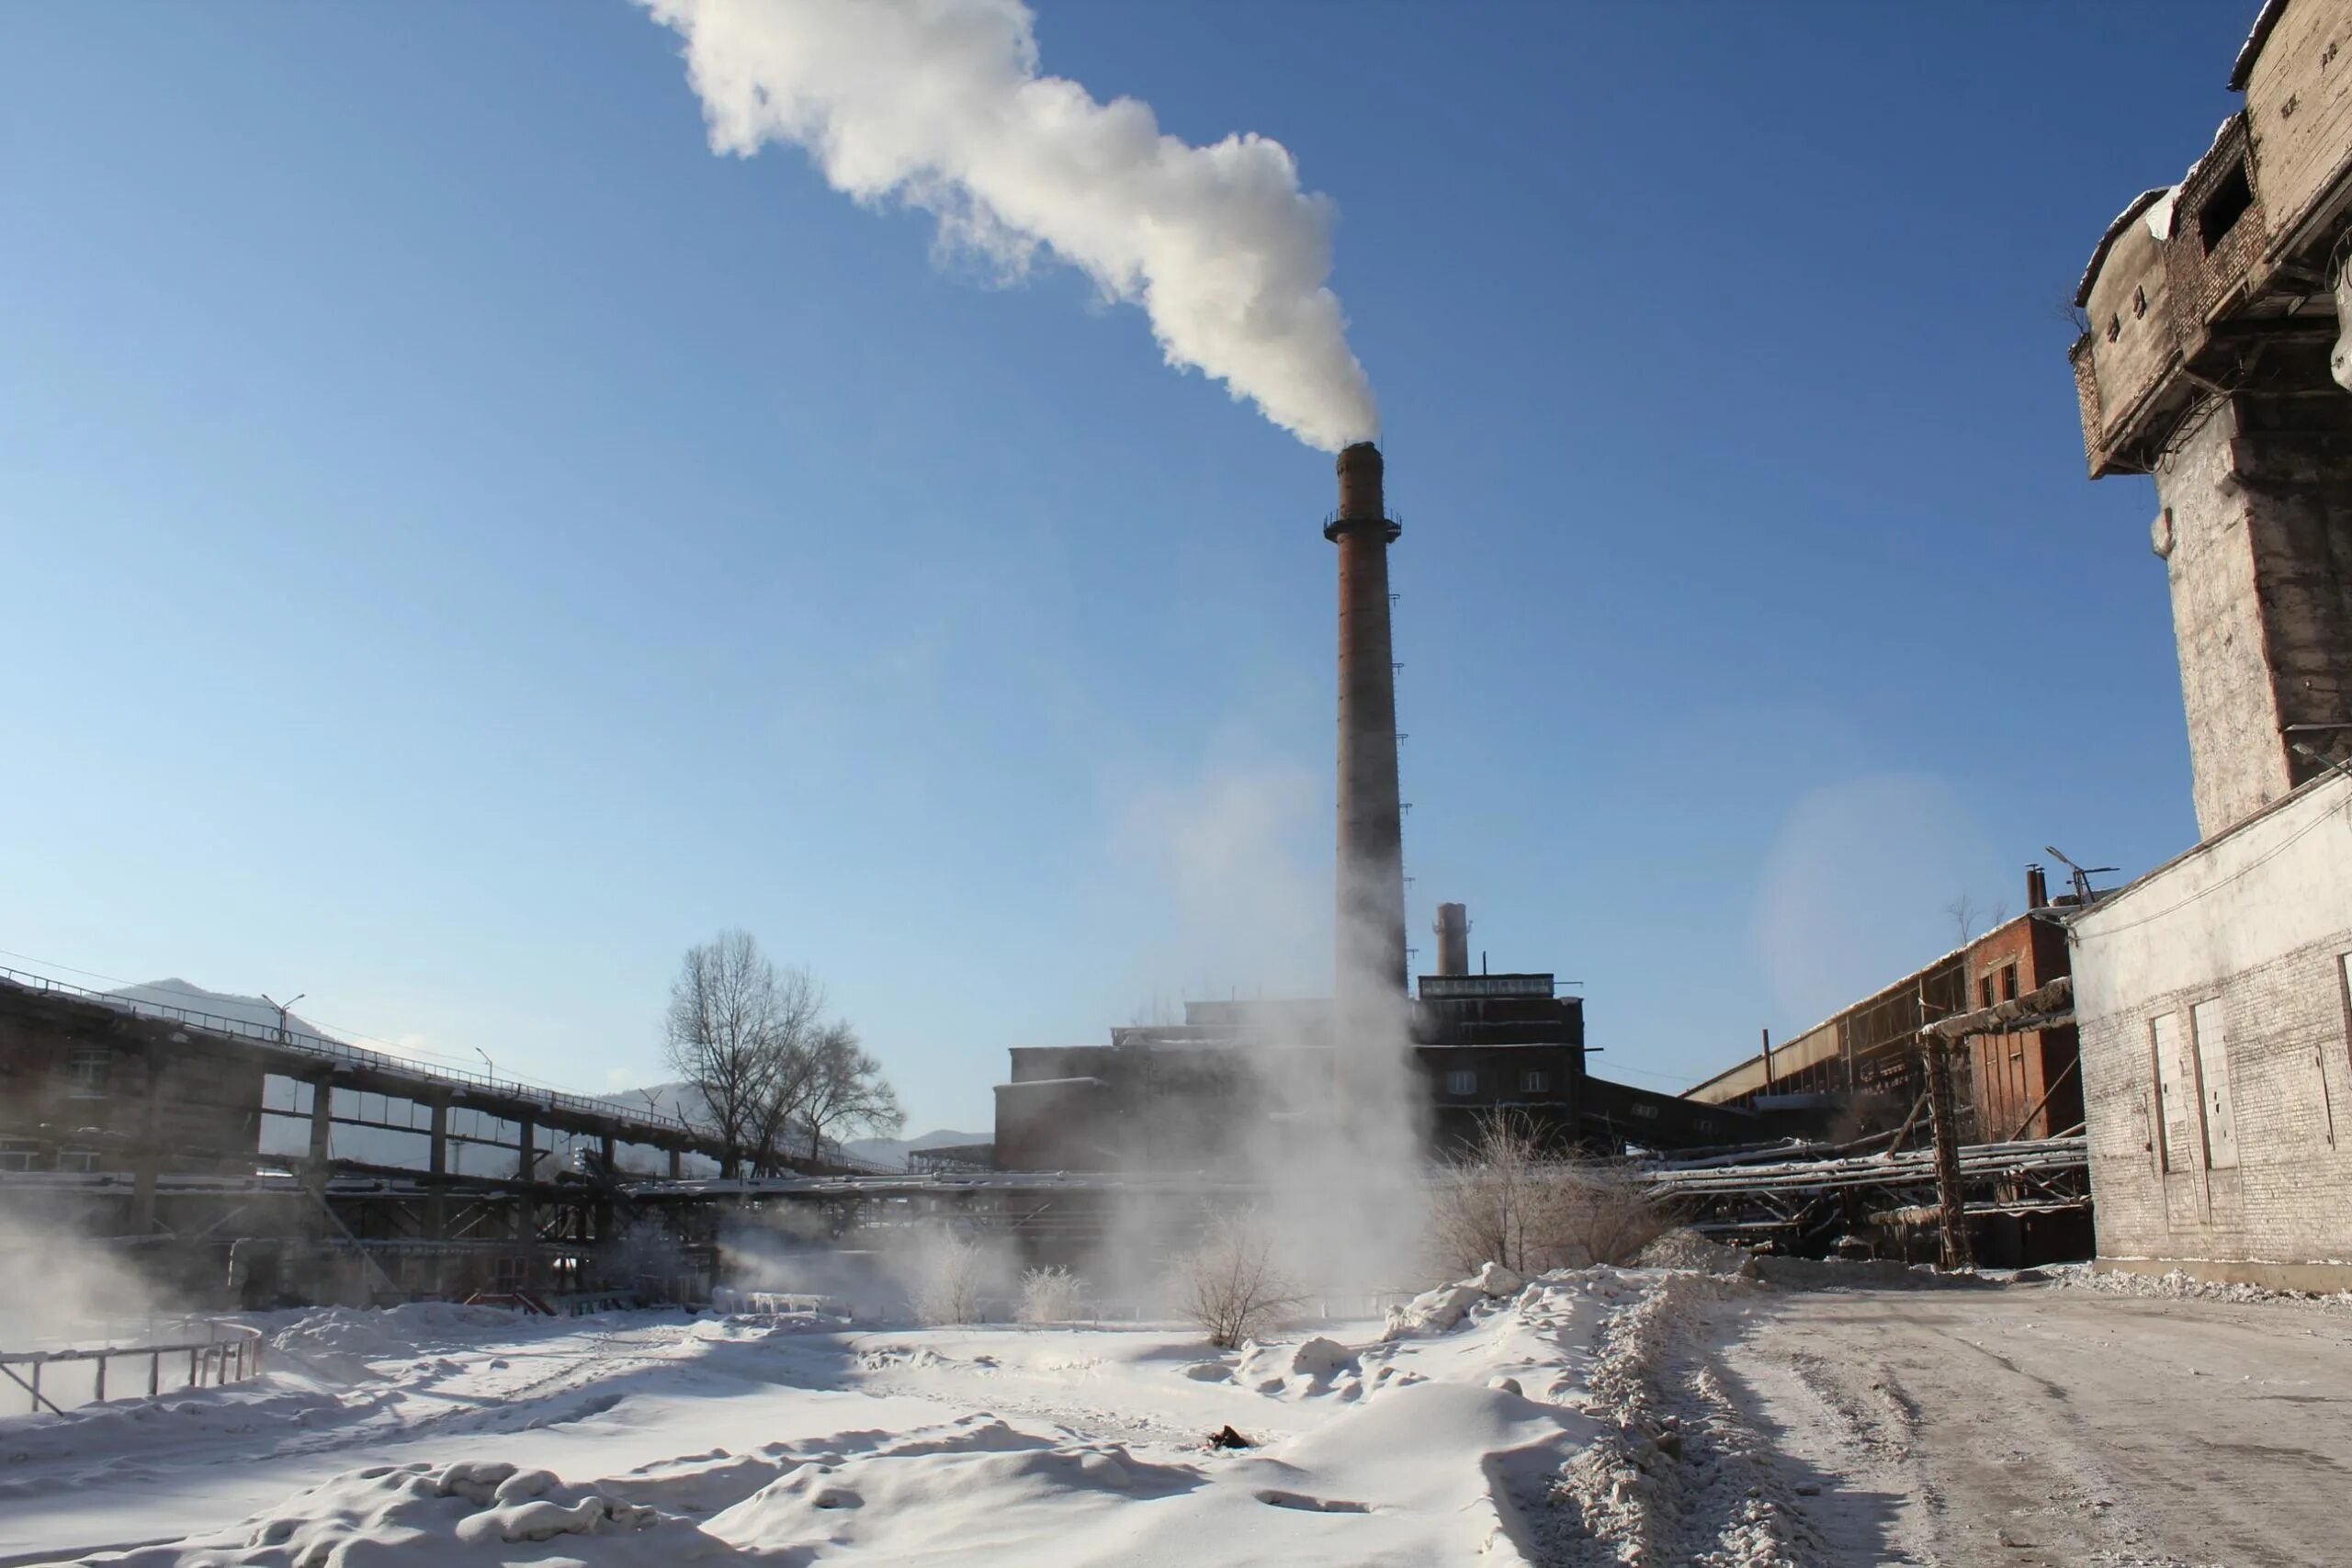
{"x":939,"y":103}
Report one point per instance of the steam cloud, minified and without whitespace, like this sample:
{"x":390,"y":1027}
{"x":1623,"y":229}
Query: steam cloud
{"x":939,"y":103}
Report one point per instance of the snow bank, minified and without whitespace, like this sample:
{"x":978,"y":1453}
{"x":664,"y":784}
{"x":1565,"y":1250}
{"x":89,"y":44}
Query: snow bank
{"x":1678,"y":1475}
{"x":2179,"y":1285}
{"x":1314,"y":1366}
{"x":471,"y":1511}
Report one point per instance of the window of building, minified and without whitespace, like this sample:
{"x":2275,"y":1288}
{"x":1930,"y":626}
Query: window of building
{"x":2139,"y":303}
{"x":2009,"y":982}
{"x":2220,"y":210}
{"x":77,"y":1159}
{"x":1984,"y":991}
{"x":18,"y":1154}
{"x":1535,"y":1080}
{"x":1461,"y":1081}
{"x":2114,"y":328}
{"x":86,"y":1072}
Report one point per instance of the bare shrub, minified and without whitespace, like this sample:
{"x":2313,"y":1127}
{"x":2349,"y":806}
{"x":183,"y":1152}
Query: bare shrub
{"x":951,"y":1275}
{"x":1051,"y":1295}
{"x":1511,"y":1199}
{"x":1232,"y":1285}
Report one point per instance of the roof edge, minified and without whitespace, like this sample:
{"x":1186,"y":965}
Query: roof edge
{"x":2251,"y":50}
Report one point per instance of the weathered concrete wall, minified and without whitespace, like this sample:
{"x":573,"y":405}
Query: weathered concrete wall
{"x":2257,"y":536}
{"x":2217,"y":1051}
{"x":2299,"y":107}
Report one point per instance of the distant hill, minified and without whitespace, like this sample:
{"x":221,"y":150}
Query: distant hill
{"x":893,"y":1152}
{"x":177,"y":993}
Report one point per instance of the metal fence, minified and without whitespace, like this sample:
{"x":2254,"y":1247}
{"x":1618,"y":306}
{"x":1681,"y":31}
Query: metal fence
{"x":228,"y":1352}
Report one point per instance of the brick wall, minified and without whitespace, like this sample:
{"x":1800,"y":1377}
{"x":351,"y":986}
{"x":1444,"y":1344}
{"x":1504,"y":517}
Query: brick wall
{"x":2230,"y":959}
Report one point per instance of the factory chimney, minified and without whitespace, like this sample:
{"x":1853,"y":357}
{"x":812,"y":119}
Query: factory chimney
{"x":1452,"y":940}
{"x":1369,"y":956}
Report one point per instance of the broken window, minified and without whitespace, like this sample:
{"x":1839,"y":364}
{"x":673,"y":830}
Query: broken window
{"x":2139,"y":303}
{"x":2114,"y":328}
{"x":2009,"y":982}
{"x":2220,"y":209}
{"x":18,"y":1154}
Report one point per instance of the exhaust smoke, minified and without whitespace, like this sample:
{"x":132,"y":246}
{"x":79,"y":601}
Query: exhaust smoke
{"x":939,"y":103}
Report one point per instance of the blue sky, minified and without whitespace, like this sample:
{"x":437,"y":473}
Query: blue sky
{"x":465,"y":542}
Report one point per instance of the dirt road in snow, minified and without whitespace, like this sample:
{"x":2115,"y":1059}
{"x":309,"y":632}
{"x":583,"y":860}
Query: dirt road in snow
{"x":2035,"y":1425}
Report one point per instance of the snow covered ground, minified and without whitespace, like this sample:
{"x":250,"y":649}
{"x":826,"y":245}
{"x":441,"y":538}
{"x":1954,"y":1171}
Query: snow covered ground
{"x":1652,"y":1415}
{"x":433,"y":1434}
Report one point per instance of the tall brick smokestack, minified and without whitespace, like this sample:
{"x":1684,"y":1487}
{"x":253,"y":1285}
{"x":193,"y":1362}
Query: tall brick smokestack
{"x":1369,"y":932}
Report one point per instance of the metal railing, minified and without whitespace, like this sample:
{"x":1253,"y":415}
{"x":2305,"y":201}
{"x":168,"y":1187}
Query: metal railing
{"x":229,"y":1352}
{"x":329,"y":1049}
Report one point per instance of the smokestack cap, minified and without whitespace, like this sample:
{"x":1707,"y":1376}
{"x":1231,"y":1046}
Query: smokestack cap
{"x":1361,"y":500}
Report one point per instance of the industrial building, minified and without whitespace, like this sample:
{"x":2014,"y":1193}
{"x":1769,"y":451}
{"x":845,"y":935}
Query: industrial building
{"x":1201,"y":1094}
{"x":1860,"y":1078}
{"x":2215,"y":994}
{"x":1217,"y":1090}
{"x":1859,"y":1072}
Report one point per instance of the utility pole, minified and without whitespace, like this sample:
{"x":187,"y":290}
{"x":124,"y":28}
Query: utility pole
{"x":1952,"y":1209}
{"x":1953,"y":1212}
{"x":487,"y":1065}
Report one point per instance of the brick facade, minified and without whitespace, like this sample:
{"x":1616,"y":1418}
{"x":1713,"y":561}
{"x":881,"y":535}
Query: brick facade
{"x":2217,"y":1052}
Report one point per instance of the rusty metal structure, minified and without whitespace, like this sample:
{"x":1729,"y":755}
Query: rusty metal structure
{"x":1369,"y":936}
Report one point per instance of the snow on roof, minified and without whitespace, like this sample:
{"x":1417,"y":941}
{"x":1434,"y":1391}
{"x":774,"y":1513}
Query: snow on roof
{"x":2251,"y":50}
{"x":2140,"y":203}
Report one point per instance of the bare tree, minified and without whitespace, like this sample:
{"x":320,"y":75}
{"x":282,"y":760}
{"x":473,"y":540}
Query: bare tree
{"x":1963,"y":911}
{"x":796,"y":1027}
{"x":1511,"y":1199}
{"x":718,"y":1032}
{"x":1232,"y":1285}
{"x":846,"y":1089}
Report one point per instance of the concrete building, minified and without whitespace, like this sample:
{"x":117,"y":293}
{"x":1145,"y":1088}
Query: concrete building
{"x":1221,"y":1086}
{"x":2212,"y":993}
{"x":2206,"y":362}
{"x":2215,"y":999}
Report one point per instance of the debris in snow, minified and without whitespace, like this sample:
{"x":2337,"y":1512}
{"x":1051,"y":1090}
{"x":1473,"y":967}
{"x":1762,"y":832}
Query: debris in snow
{"x":1227,"y":1438}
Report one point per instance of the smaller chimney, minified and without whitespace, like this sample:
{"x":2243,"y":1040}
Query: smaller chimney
{"x":2037,"y":888}
{"x":1452,"y":940}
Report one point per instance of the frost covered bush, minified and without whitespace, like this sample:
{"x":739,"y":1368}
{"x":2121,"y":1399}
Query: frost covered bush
{"x":1051,"y":1294}
{"x":951,"y":1275}
{"x":1511,"y":1199}
{"x":1232,"y":1284}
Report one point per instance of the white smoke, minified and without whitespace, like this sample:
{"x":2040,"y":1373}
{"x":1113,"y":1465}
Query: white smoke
{"x":939,"y":102}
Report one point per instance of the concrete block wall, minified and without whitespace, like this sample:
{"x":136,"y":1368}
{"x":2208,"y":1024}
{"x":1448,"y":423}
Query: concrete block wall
{"x":2256,"y":539}
{"x":2255,"y":926}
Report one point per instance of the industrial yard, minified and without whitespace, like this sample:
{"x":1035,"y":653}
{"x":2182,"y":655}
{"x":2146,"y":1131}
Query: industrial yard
{"x":1602,"y":1417}
{"x":495,"y":503}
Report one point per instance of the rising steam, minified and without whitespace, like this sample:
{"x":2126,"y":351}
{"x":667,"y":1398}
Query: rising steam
{"x":939,"y":102}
